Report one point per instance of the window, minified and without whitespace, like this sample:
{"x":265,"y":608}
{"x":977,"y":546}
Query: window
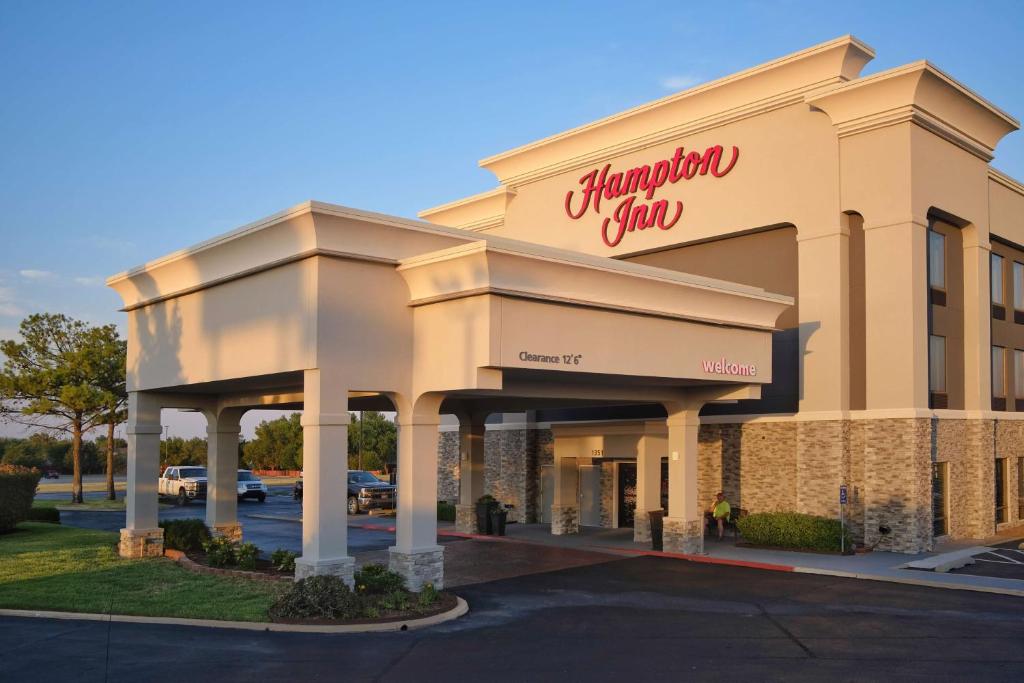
{"x":1018,"y":373}
{"x":936,"y":260}
{"x":1018,"y":286}
{"x":940,"y":479}
{"x":937,"y":364}
{"x":1000,"y":479}
{"x":1020,"y":489}
{"x":997,"y":280}
{"x":998,"y":372}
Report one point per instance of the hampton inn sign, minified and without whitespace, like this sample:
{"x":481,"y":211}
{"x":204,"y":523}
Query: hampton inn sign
{"x":629,"y":214}
{"x":824,"y":320}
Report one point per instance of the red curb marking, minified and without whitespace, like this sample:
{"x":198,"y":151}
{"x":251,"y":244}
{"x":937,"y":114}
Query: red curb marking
{"x":707,"y":560}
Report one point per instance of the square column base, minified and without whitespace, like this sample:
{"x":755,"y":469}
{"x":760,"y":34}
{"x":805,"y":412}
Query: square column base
{"x":231,"y":531}
{"x":641,"y":527}
{"x":136,"y":543}
{"x":419,"y":568}
{"x":465,"y":519}
{"x":565,"y":519}
{"x":342,"y":567}
{"x":683,"y":536}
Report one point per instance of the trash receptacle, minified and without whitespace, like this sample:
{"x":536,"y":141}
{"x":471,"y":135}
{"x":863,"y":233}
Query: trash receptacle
{"x":498,"y":520}
{"x":657,"y":526}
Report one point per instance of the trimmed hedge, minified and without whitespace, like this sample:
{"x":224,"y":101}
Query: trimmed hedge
{"x":445,"y":511}
{"x":35,"y":514}
{"x":187,"y":535}
{"x":793,"y":530}
{"x":17,"y":489}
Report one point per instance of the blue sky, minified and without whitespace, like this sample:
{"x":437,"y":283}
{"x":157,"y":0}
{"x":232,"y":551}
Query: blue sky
{"x":131,"y":129}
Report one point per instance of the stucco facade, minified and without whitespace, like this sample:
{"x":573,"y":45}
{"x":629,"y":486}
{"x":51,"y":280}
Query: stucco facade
{"x":870,"y":199}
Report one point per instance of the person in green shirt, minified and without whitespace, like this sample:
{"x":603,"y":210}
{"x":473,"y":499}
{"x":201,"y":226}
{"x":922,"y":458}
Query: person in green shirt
{"x":720,"y":511}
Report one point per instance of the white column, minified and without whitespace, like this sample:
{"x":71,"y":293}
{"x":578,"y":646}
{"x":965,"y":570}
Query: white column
{"x":650,"y":450}
{"x":684,"y":525}
{"x":471,"y":470}
{"x":141,"y":536}
{"x":325,"y":421}
{"x":222,"y":432}
{"x":416,"y":554}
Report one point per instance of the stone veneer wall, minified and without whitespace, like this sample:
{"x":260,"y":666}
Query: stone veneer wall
{"x":753,"y":464}
{"x":790,"y":465}
{"x":897,"y":469}
{"x":448,"y":464}
{"x":967,"y":447}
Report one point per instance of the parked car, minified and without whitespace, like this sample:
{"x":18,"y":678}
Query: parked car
{"x":50,"y":473}
{"x":251,"y":486}
{"x":184,"y":483}
{"x":365,"y":492}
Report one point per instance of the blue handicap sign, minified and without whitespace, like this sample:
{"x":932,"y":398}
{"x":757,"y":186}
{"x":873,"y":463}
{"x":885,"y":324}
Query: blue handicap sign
{"x":842,"y":495}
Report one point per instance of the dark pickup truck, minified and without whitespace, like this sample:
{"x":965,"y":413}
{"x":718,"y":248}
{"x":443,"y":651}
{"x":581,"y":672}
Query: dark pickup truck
{"x":365,"y":492}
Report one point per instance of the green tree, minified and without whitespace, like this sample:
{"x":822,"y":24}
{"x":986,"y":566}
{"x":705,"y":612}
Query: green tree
{"x":111,"y":378}
{"x":50,"y":380}
{"x":25,"y":454}
{"x":179,"y":451}
{"x":378,"y":438}
{"x":277,"y":446}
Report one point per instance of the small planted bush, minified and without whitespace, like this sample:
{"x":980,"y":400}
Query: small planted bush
{"x":220,"y":552}
{"x":187,"y":535}
{"x":318,"y":597}
{"x":376,"y":579}
{"x":17,"y":489}
{"x":429,"y":595}
{"x":283,"y":560}
{"x":445,"y":511}
{"x":794,"y":530}
{"x":51,"y":515}
{"x":246,"y":555}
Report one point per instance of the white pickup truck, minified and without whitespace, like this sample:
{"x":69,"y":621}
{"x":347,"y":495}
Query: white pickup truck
{"x":184,"y":483}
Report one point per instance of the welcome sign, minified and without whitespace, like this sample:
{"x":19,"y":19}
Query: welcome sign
{"x":632,"y":214}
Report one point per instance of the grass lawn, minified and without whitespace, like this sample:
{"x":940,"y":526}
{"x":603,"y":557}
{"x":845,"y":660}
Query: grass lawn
{"x":89,"y":504}
{"x":53,"y":567}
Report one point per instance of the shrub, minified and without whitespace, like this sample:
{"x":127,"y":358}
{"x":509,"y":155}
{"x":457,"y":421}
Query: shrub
{"x":318,"y":597}
{"x":445,"y":511}
{"x":220,"y":552}
{"x":187,"y":535}
{"x":376,"y":579}
{"x":17,"y":489}
{"x":793,"y":530}
{"x":398,"y":601}
{"x":246,"y":555}
{"x":283,"y":560}
{"x":428,"y":596}
{"x":43,"y":515}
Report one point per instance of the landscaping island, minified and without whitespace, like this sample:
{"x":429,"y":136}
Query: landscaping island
{"x":49,"y":567}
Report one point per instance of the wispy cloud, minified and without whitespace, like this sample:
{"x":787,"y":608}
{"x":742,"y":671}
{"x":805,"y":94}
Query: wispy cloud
{"x":8,"y":307}
{"x":30,"y":274}
{"x":680,"y":81}
{"x":93,"y":281}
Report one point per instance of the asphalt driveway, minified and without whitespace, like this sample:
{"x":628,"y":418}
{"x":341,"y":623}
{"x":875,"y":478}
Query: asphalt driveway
{"x":629,"y":619}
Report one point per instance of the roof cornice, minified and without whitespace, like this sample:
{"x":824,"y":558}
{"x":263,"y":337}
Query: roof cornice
{"x":917,"y":93}
{"x":753,"y":91}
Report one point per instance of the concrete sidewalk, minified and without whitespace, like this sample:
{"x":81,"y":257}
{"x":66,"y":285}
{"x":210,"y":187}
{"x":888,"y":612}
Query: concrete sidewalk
{"x":875,"y":566}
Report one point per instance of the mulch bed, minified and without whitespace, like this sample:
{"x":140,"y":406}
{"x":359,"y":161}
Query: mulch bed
{"x":445,"y":602}
{"x":197,"y":562}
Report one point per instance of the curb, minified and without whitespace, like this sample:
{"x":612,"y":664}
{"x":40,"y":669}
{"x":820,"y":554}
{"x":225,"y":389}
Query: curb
{"x":461,"y":608}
